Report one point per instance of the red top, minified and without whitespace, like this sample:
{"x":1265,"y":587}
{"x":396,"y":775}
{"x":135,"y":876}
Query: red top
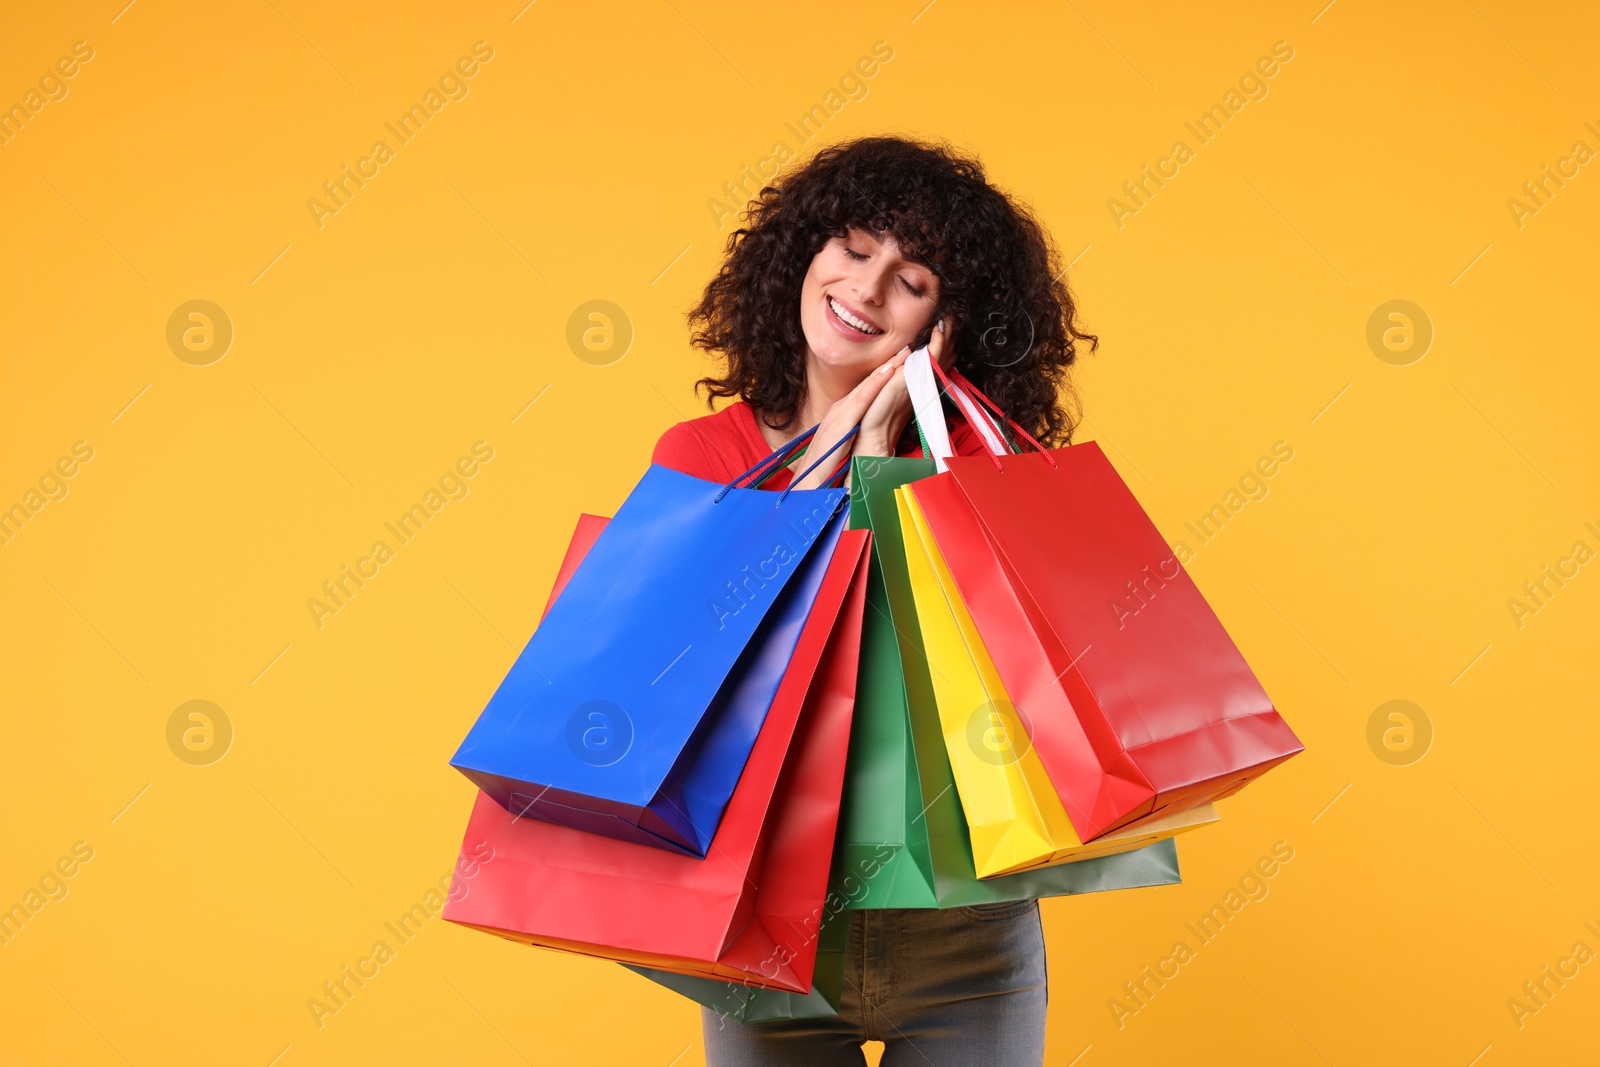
{"x":721,"y":446}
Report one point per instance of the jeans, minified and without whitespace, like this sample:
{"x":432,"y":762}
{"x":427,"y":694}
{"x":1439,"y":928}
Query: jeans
{"x":941,"y":987}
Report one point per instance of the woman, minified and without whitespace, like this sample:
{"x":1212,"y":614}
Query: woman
{"x":874,"y":248}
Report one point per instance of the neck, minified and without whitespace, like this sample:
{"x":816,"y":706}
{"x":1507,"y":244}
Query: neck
{"x":824,"y":386}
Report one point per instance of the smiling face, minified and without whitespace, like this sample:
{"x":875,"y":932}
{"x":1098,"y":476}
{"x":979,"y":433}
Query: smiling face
{"x":862,"y":301}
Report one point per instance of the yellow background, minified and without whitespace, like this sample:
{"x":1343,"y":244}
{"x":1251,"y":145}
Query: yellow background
{"x":429,"y":312}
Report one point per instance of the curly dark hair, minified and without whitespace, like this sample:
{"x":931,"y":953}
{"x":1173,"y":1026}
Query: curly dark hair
{"x":999,"y":279}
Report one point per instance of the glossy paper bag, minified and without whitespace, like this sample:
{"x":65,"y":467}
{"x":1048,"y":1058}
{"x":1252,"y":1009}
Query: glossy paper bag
{"x":1140,"y":703}
{"x":737,"y":1003}
{"x":1014,"y":817}
{"x":750,"y":909}
{"x":904,"y":841}
{"x":632,"y":708}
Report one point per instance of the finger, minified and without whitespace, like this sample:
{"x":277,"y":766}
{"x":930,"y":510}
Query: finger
{"x":896,"y":382}
{"x":850,"y":409}
{"x":854,"y":405}
{"x":875,"y":381}
{"x":941,"y":347}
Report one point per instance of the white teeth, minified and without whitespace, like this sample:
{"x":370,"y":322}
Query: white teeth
{"x":839,"y":310}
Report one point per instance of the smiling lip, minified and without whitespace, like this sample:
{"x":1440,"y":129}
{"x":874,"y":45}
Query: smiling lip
{"x":844,"y":327}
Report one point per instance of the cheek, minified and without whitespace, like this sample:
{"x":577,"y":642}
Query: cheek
{"x":911,"y":314}
{"x":810,"y":295}
{"x":811,"y":285}
{"x":812,"y":323}
{"x":813,"y":279}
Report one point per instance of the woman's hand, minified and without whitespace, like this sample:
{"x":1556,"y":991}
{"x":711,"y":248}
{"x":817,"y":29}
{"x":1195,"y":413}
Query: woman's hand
{"x":886,"y":419}
{"x":846,"y":413}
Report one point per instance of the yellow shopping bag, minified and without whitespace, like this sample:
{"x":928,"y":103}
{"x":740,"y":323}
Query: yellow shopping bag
{"x":1015,"y":817}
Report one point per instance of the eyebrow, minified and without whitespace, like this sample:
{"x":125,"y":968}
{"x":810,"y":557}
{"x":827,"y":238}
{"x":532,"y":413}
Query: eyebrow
{"x":917,"y":259}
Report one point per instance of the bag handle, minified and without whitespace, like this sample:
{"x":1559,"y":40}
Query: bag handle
{"x":989,"y":430}
{"x":929,"y":413}
{"x":926,"y":409}
{"x":780,"y":456}
{"x":993,"y":407}
{"x":790,"y":487}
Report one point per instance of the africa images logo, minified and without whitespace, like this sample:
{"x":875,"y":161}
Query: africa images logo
{"x":734,"y":598}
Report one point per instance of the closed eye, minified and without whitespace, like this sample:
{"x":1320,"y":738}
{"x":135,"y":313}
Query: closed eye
{"x":914,"y":290}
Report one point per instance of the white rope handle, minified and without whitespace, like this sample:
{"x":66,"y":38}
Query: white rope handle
{"x":929,"y":412}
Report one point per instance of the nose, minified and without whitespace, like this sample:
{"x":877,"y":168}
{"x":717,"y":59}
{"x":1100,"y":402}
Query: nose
{"x":871,"y":278}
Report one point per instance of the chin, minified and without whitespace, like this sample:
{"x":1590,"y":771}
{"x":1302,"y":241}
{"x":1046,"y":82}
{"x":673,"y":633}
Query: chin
{"x":840,"y":355}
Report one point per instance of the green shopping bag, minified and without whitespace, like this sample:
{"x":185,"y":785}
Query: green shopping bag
{"x":752,"y":1004}
{"x":903,"y":840}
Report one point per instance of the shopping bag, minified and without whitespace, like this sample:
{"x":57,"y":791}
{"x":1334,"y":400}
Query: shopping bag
{"x":633,"y":707}
{"x":747,"y":701}
{"x":903,"y":837}
{"x":1138,"y":702}
{"x":751,"y":909}
{"x":1014,"y":816}
{"x":738,"y":1003}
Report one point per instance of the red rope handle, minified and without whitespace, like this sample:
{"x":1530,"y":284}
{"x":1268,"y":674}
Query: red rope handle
{"x":966,"y":384}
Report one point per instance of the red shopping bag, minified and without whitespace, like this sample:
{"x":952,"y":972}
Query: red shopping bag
{"x":1134,"y":695}
{"x":749,"y":910}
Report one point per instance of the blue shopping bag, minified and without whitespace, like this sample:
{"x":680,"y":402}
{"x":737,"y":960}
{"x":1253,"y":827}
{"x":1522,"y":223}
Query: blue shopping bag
{"x":633,"y":707}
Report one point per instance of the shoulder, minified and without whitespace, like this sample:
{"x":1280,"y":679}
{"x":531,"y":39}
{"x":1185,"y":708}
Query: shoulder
{"x":716,"y":447}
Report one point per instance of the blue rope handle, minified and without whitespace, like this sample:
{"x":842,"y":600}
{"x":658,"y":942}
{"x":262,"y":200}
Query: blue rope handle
{"x":818,"y":463}
{"x":782,"y":454}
